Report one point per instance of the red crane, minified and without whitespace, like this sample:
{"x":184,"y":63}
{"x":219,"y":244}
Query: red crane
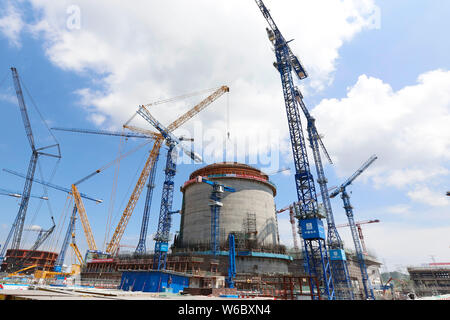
{"x":358,"y":225}
{"x":292,"y":221}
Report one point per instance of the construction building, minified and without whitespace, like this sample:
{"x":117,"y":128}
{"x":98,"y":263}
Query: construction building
{"x":430,"y":280}
{"x":43,"y":260}
{"x":248,"y":213}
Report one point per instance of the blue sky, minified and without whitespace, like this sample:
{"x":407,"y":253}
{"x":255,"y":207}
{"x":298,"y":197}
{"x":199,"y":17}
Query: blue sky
{"x":379,"y":75}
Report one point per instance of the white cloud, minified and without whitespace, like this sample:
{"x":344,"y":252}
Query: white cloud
{"x":399,"y":209}
{"x":11,"y":25}
{"x":408,"y":130}
{"x":424,"y":195}
{"x":406,"y":246}
{"x":154,"y":50}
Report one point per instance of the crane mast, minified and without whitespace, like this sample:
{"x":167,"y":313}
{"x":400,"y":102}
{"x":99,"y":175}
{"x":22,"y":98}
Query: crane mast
{"x":311,"y":225}
{"x":339,"y":267}
{"x":216,"y":195}
{"x":368,"y":290}
{"x":141,"y":246}
{"x":62,"y":254}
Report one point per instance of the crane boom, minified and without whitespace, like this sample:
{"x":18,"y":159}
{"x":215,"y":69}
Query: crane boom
{"x":354,"y":176}
{"x":16,"y":194}
{"x":53,"y":186}
{"x":199,"y":107}
{"x":357,"y":223}
{"x":77,"y":253}
{"x":146,"y":135}
{"x":274,"y":33}
{"x":84,"y":219}
{"x":23,"y":109}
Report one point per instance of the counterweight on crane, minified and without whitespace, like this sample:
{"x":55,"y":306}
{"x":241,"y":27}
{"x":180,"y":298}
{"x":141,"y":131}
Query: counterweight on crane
{"x":15,"y":194}
{"x":311,"y":225}
{"x":368,"y":291}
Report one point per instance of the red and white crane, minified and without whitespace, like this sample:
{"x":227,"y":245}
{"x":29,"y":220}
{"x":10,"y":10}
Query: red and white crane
{"x":358,"y":226}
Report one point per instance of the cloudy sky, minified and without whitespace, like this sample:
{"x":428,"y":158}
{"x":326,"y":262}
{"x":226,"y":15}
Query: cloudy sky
{"x":379,"y":79}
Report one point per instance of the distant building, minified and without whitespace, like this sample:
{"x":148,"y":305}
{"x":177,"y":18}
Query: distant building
{"x":431,"y":280}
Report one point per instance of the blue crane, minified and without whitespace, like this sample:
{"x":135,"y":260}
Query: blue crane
{"x":215,"y":204}
{"x":368,"y":291}
{"x":339,"y":267}
{"x":165,"y":221}
{"x":231,"y":261}
{"x":310,"y":223}
{"x":17,"y":226}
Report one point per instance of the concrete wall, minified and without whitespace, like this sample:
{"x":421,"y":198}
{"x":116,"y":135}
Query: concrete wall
{"x":250,"y":197}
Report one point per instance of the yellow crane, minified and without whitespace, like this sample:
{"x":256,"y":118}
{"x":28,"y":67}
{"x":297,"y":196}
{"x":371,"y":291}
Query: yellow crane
{"x":76,"y":250}
{"x":84,"y":219}
{"x":21,"y":270}
{"x":113,"y":245}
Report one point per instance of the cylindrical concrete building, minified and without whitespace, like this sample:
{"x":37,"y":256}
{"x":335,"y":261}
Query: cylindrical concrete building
{"x":249,"y":211}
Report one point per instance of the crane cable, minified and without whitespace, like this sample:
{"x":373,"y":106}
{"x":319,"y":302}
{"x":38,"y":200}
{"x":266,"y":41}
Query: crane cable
{"x":61,"y":223}
{"x":113,"y":192}
{"x":126,"y":195}
{"x":187,"y":95}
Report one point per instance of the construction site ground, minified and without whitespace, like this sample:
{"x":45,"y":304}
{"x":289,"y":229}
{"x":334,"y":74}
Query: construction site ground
{"x":68,"y":293}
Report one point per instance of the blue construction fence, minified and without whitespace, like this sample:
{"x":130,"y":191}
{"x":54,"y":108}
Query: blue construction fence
{"x":153,"y":281}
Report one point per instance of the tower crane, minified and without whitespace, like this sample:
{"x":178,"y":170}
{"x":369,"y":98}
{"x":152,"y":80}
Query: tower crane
{"x":164,"y":222}
{"x":341,"y":278}
{"x":292,"y":215}
{"x":360,"y":233}
{"x":17,"y":226}
{"x":216,"y":195}
{"x":310,"y":223}
{"x":368,"y":290}
{"x":292,"y":221}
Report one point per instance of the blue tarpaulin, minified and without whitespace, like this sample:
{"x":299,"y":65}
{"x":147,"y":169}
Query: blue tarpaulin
{"x":153,"y":281}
